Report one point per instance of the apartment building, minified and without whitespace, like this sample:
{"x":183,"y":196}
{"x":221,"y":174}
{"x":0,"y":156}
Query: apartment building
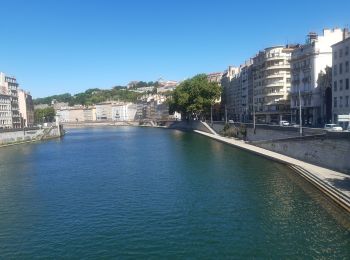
{"x":124,"y":111}
{"x":341,"y":77}
{"x":308,"y":61}
{"x":271,"y":84}
{"x":215,"y":77}
{"x":9,"y":87}
{"x":246,"y":92}
{"x":89,"y":114}
{"x":230,"y":88}
{"x":5,"y":112}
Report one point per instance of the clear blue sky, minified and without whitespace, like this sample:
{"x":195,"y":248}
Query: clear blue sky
{"x":58,"y":46}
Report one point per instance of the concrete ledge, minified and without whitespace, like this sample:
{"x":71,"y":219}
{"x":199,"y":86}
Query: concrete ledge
{"x":324,"y":179}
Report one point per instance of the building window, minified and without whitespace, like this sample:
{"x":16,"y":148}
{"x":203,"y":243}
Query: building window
{"x":340,"y":53}
{"x":347,"y":101}
{"x":335,"y":86}
{"x":341,"y":84}
{"x":347,"y":66}
{"x":346,"y":50}
{"x":335,"y":102}
{"x":335,"y":55}
{"x":335,"y":70}
{"x":346,"y":83}
{"x":340,"y":101}
{"x":340,"y":68}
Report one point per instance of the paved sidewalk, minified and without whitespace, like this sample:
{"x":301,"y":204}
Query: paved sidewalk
{"x":333,"y":183}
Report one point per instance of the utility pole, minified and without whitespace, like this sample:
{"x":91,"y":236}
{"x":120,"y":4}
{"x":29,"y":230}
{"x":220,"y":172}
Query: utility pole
{"x":211,"y":114}
{"x":254,"y":126}
{"x":300,"y":122}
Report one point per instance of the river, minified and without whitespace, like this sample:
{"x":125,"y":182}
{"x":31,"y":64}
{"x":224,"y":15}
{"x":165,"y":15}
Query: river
{"x":132,"y":192}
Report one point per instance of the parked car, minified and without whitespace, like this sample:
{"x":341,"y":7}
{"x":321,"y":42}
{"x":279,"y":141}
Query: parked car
{"x":230,"y":121}
{"x":284,"y":123}
{"x":333,"y":127}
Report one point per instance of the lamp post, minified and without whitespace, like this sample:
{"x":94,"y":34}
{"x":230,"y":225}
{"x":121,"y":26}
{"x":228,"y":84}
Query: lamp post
{"x":211,"y":114}
{"x":300,"y":122}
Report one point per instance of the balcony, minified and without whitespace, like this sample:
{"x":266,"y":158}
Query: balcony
{"x":279,"y":93}
{"x":277,"y":58}
{"x":277,"y":75}
{"x":275,"y":84}
{"x":278,"y":66}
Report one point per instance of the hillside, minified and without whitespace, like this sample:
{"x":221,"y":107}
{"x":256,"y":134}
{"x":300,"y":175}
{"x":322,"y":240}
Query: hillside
{"x":92,"y":96}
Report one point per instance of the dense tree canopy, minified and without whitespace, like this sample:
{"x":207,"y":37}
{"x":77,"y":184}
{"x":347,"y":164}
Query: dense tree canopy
{"x":193,"y":97}
{"x":44,"y":115}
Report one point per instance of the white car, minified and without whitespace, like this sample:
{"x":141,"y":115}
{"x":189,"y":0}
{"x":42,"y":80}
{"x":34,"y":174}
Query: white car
{"x":284,"y":123}
{"x":333,"y":127}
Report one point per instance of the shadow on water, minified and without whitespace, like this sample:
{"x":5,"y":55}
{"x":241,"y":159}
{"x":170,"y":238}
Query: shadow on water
{"x":341,"y":184}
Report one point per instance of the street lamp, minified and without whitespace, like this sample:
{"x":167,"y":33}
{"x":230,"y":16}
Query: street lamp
{"x":300,"y":122}
{"x":211,"y":113}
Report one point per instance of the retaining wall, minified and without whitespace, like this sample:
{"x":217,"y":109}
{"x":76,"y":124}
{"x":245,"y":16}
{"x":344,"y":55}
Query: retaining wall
{"x":328,"y":151}
{"x":188,"y":126}
{"x":20,"y":136}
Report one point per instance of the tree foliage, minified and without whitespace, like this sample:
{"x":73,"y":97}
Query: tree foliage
{"x":194,"y":97}
{"x":44,"y":115}
{"x":92,"y":96}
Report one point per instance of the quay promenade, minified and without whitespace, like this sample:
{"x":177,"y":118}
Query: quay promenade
{"x":335,"y":185}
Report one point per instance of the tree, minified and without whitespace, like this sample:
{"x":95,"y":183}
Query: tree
{"x":44,"y":115}
{"x":194,"y":97}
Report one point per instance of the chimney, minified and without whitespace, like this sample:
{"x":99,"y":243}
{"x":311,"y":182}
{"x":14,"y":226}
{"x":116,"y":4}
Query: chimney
{"x":346,"y":33}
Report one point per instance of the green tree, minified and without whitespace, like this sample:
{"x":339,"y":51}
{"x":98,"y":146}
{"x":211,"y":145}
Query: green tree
{"x":194,"y":97}
{"x":44,"y":115}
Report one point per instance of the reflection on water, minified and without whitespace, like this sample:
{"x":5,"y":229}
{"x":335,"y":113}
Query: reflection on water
{"x":136,"y":192}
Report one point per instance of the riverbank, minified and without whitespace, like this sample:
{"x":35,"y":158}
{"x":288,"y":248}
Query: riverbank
{"x":335,"y":185}
{"x":25,"y":136}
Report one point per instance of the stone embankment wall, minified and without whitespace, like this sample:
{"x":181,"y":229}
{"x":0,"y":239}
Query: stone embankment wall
{"x":331,"y":150}
{"x":188,"y":126}
{"x":99,"y":124}
{"x":270,"y":132}
{"x":29,"y":135}
{"x":316,"y":146}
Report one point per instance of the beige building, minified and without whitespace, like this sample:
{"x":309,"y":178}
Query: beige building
{"x":215,"y":77}
{"x":230,"y":83}
{"x":89,"y":114}
{"x":74,"y":114}
{"x":104,"y":111}
{"x":26,"y":108}
{"x":271,"y":83}
{"x":341,"y":77}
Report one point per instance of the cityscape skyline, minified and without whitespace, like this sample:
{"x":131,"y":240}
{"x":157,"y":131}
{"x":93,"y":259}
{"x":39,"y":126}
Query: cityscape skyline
{"x":114,"y":43}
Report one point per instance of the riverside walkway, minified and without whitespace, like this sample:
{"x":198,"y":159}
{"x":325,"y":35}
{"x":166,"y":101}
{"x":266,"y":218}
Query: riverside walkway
{"x":335,"y":185}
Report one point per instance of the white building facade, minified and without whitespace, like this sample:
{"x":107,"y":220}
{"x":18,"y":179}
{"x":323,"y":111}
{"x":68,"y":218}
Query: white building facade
{"x":5,"y":112}
{"x":340,"y":80}
{"x":271,"y":84}
{"x":9,"y":87}
{"x":307,"y":62}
